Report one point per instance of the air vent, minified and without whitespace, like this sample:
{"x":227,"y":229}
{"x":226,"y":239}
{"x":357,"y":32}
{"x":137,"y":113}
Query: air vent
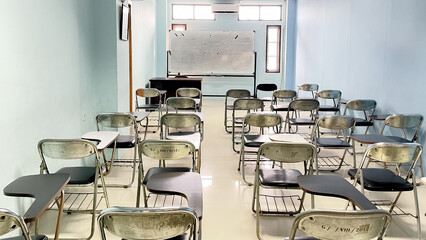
{"x":225,"y":8}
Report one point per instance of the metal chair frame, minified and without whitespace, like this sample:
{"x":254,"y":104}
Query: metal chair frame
{"x":149,"y":93}
{"x":283,"y":153}
{"x":162,"y":150}
{"x":333,"y":95}
{"x":394,"y":153}
{"x":331,"y":225}
{"x":344,"y":125}
{"x":72,"y":149}
{"x":232,"y":95}
{"x":148,"y":223}
{"x":366,"y":106}
{"x":194,"y":93}
{"x":308,"y":87}
{"x":281,"y":96}
{"x":119,"y":121}
{"x":296,"y":107}
{"x":246,"y":106}
{"x":10,"y":221}
{"x":261,"y":121}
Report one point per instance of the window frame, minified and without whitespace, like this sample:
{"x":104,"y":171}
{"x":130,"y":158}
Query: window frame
{"x":193,"y":12}
{"x":278,"y":70}
{"x":260,"y":6}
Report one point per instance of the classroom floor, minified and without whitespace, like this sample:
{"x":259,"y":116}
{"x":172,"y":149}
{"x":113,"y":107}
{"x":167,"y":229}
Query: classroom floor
{"x":227,"y":200}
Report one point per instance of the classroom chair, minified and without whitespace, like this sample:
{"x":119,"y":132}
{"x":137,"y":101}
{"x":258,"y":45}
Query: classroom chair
{"x":311,"y":88}
{"x":232,"y":95}
{"x":328,"y":96}
{"x":74,"y":150}
{"x":120,"y":121}
{"x":384,"y":180}
{"x":10,"y":221}
{"x":282,"y":178}
{"x":265,"y":87}
{"x":181,"y":104}
{"x":298,"y":107}
{"x":144,"y":97}
{"x":149,"y":223}
{"x":194,"y":93}
{"x":281,"y":99}
{"x":364,"y":107}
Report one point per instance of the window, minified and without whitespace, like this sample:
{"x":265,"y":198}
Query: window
{"x":256,"y":13}
{"x":192,"y":12}
{"x":179,"y":27}
{"x":273,"y":45}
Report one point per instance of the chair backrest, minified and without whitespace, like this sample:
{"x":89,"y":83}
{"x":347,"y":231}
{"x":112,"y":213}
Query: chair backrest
{"x":180,"y":120}
{"x":334,"y":122}
{"x":188,"y":92}
{"x":264,"y":120}
{"x":181,"y":103}
{"x":10,"y":221}
{"x":284,"y":94}
{"x":308,"y":87}
{"x":248,"y":104}
{"x":334,"y":95}
{"x":66,"y":148}
{"x":394,"y":153}
{"x":304,"y":105}
{"x":287,"y":152}
{"x":330,"y":225}
{"x":361,"y":105}
{"x":148,"y":223}
{"x":116,"y":120}
{"x":147,"y":93}
{"x":166,"y":149}
{"x":404,"y":122}
{"x":237,"y":93}
{"x":266,"y":87}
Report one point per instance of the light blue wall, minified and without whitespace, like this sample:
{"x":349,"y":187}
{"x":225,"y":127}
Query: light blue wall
{"x":223,"y":22}
{"x":291,"y":45}
{"x":57,"y":61}
{"x":367,"y":49}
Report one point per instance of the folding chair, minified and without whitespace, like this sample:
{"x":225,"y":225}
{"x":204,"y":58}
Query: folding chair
{"x":327,"y":96}
{"x":384,"y":180}
{"x":280,"y":178}
{"x":10,"y":221}
{"x":344,"y":125}
{"x":307,"y":87}
{"x":147,"y":95}
{"x":365,"y":107}
{"x":265,"y":123}
{"x":243,"y":106}
{"x":149,"y":223}
{"x":194,"y":93}
{"x":120,"y":121}
{"x":232,"y":95}
{"x":81,"y":176}
{"x":162,"y":150}
{"x":331,"y":225}
{"x":265,"y":87}
{"x":297,"y":107}
{"x":181,"y":104}
{"x":279,"y":97}
{"x":188,"y":127}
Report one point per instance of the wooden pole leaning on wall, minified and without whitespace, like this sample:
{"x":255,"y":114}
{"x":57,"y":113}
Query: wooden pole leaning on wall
{"x":130,"y":59}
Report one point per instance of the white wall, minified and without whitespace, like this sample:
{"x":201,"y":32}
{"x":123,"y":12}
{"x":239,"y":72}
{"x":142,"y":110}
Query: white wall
{"x":366,"y":49}
{"x":54,"y":56}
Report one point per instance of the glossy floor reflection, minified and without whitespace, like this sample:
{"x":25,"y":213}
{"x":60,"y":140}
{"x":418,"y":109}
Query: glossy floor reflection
{"x":227,"y":201}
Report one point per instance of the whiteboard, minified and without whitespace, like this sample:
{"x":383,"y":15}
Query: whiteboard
{"x":211,"y":52}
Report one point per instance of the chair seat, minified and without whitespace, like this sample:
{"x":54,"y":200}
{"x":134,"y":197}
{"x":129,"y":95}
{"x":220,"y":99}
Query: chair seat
{"x":255,"y":140}
{"x":155,"y":170}
{"x":33,"y":237}
{"x":80,"y":175}
{"x":381,"y":179}
{"x":279,"y":177}
{"x":193,"y":137}
{"x":124,"y":141}
{"x":281,"y":107}
{"x":328,"y":108}
{"x":301,"y":121}
{"x":266,"y":99}
{"x":399,"y":139}
{"x":363,"y":122}
{"x":332,"y":143}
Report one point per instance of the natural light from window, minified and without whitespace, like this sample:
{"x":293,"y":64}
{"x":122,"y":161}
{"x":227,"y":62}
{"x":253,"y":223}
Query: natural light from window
{"x":273,"y":49}
{"x":192,"y":12}
{"x":256,"y":13}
